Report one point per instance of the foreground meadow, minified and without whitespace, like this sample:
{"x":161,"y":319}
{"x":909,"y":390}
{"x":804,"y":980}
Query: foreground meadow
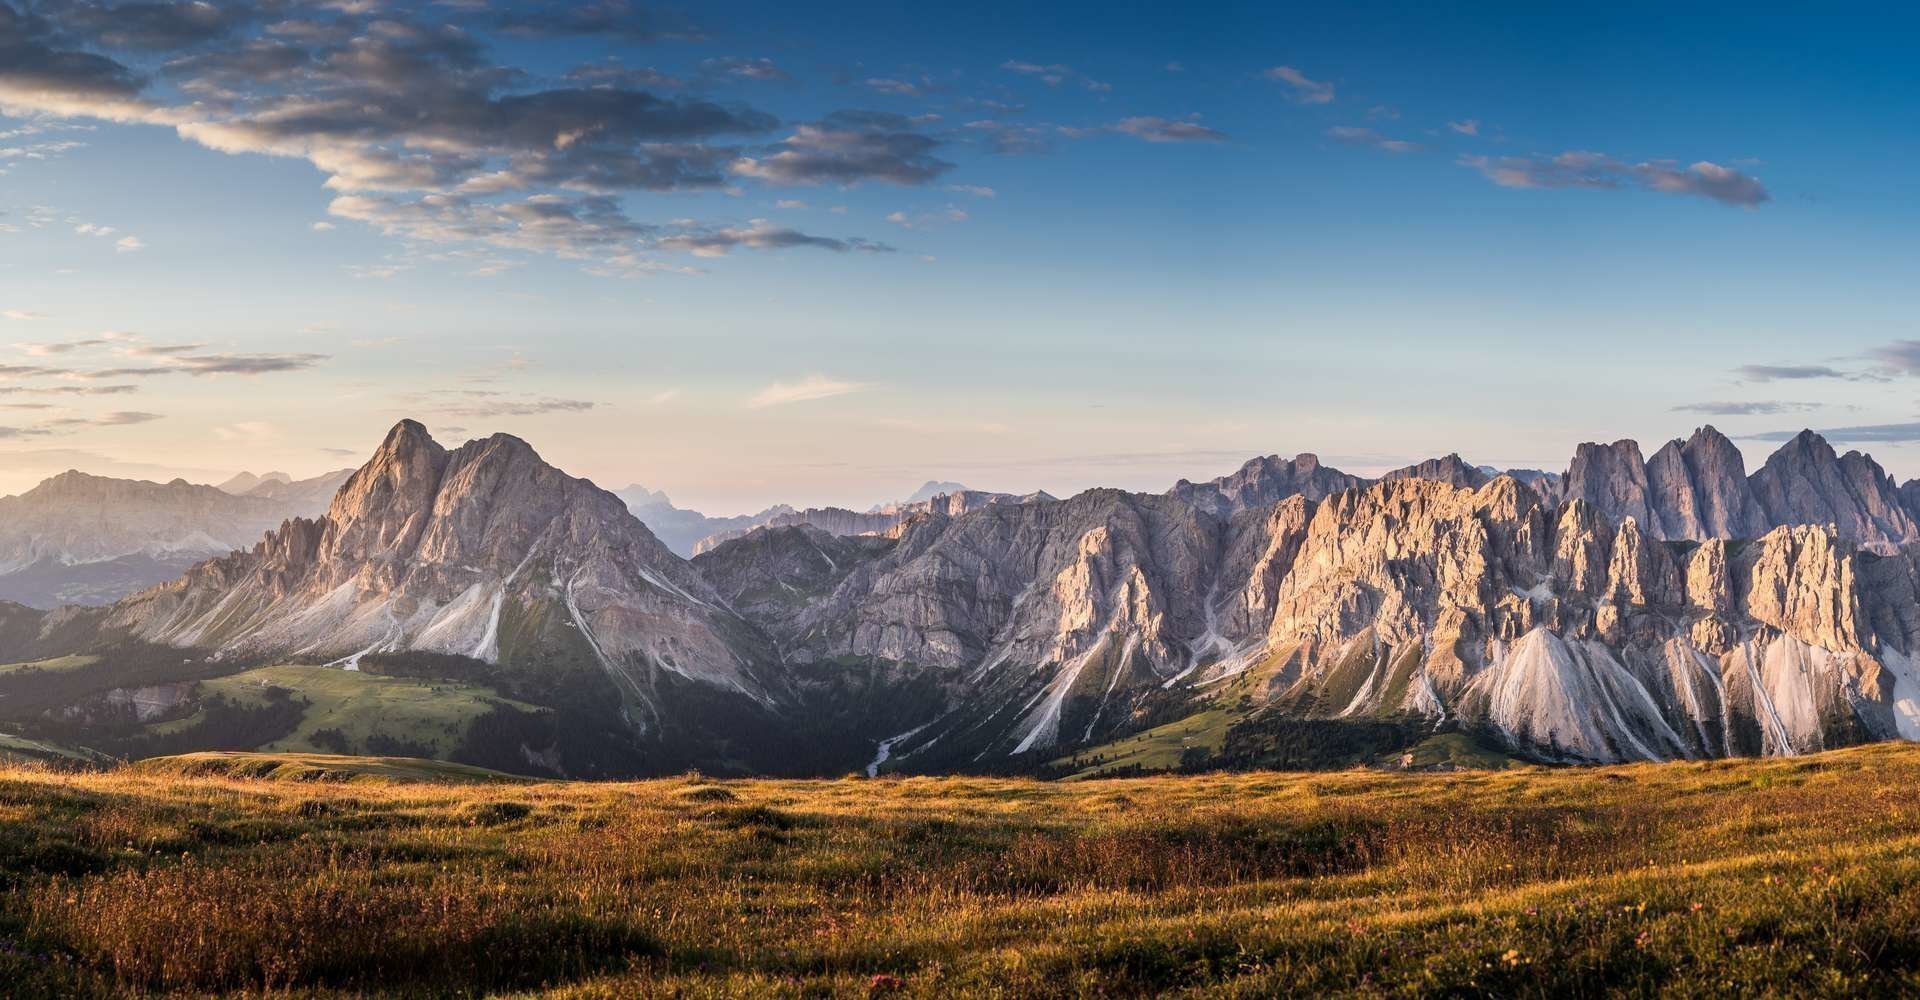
{"x":1796,"y":876}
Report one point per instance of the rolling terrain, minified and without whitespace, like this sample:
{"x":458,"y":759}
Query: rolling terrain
{"x":232,"y":875}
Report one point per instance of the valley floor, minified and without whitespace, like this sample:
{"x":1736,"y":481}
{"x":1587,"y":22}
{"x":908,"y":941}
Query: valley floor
{"x":321,"y":876}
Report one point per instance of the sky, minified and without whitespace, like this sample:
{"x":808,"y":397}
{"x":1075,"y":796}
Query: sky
{"x":751,"y":253}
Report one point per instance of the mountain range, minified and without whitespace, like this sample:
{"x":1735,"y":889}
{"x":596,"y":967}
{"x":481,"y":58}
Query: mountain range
{"x":478,"y":604}
{"x":81,"y":539}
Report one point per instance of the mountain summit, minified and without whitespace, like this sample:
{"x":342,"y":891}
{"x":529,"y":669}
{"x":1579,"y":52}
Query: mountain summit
{"x":484,"y":551}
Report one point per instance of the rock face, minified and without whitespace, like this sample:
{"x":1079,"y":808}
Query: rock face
{"x":1698,"y":489}
{"x":1263,"y":481}
{"x":1806,"y":483}
{"x":1612,"y":479}
{"x":483,"y":551}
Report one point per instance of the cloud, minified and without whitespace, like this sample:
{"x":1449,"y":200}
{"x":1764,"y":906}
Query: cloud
{"x":746,"y":69}
{"x":662,"y":397}
{"x":117,"y":418}
{"x":597,"y":19}
{"x":70,"y":390}
{"x":807,"y":389}
{"x":23,"y":315}
{"x":977,"y":190}
{"x":928,"y":220}
{"x":43,"y":350}
{"x":149,"y":26}
{"x":1303,"y":89}
{"x":1471,"y":126}
{"x":1055,"y":75}
{"x":128,"y":244}
{"x":1901,"y":355}
{"x":1884,"y":433}
{"x":1784,"y":373}
{"x":250,"y":431}
{"x":1583,"y":169}
{"x":1369,"y":139}
{"x":406,"y":105}
{"x":1010,"y":139}
{"x":568,"y":226}
{"x":1154,"y":129}
{"x":848,"y":152}
{"x":893,"y":88}
{"x":760,"y":234}
{"x":1749,"y":408}
{"x":186,"y":359}
{"x":484,"y":404}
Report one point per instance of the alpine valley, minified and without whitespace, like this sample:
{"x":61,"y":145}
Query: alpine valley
{"x":477,"y":605}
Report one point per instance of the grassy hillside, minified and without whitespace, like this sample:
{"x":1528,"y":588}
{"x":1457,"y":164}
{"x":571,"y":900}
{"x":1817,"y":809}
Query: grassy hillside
{"x":1789,"y":877}
{"x":346,"y":711}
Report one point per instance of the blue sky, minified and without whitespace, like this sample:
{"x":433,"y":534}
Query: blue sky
{"x":752,"y":253}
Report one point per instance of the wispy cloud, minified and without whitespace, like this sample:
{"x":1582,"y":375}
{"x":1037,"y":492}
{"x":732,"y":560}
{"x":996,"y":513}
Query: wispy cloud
{"x":23,"y":315}
{"x":1584,"y":169}
{"x":1303,"y":88}
{"x":1745,"y":408}
{"x":1795,"y":373}
{"x":761,"y":234}
{"x":1901,"y":355}
{"x":1369,"y":139}
{"x":804,"y":390}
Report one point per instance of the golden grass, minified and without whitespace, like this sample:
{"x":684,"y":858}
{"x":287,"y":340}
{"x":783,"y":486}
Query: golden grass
{"x":1789,"y":877}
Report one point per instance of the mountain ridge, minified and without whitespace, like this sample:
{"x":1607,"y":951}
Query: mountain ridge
{"x":1558,"y":619}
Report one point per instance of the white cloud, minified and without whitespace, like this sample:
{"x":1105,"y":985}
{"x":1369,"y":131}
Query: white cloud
{"x":1471,"y":126}
{"x":128,"y":244}
{"x":23,"y":315}
{"x":807,"y":389}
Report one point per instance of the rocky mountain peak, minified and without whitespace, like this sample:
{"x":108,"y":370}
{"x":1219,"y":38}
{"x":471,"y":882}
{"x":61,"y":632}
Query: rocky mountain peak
{"x":1264,"y":480}
{"x":1450,"y":469}
{"x":1611,"y":477}
{"x":1805,"y":482}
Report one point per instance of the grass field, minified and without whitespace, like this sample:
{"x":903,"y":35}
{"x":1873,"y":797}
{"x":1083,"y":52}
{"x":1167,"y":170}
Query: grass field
{"x":315,"y":767}
{"x":1782,"y":877}
{"x":360,"y":707}
{"x":54,"y":665}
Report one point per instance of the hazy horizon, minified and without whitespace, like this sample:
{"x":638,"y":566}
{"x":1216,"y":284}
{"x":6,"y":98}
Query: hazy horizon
{"x":751,"y":254}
